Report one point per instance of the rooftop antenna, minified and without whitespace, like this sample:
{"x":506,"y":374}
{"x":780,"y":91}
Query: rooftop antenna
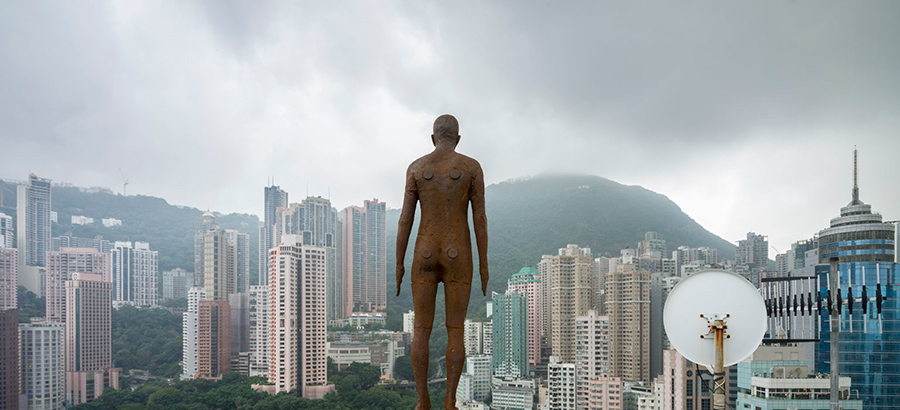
{"x":704,"y":311}
{"x":125,"y":185}
{"x":856,"y":200}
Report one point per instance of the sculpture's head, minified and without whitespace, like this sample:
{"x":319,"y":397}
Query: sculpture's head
{"x":446,"y":131}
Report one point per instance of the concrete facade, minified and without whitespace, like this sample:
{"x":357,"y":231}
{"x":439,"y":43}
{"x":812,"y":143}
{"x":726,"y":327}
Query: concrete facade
{"x":89,"y":366}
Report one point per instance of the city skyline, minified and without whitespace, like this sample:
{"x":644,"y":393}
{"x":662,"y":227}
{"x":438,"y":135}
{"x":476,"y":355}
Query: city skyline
{"x":726,"y":117}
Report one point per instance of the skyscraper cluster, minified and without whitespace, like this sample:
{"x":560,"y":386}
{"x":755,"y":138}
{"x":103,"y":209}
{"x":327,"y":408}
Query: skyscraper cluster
{"x":64,"y":358}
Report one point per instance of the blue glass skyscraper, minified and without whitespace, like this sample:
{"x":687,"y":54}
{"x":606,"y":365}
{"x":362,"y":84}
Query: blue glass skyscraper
{"x":869,"y":347}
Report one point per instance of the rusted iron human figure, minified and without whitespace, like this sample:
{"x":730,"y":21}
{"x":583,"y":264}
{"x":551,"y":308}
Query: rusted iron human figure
{"x":444,"y":182}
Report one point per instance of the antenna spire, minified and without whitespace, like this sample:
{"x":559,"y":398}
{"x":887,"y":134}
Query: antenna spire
{"x":856,"y":200}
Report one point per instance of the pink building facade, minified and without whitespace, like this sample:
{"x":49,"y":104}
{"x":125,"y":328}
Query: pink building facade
{"x":595,"y":388}
{"x":89,"y":368}
{"x":60,"y":267}
{"x":297,"y":315}
{"x":528,"y":282}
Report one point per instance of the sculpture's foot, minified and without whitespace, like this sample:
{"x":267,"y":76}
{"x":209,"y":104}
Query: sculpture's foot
{"x":424,"y":405}
{"x":450,"y":403}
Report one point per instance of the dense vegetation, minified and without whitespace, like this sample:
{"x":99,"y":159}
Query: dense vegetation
{"x":526,"y":218}
{"x":356,"y":389}
{"x":168,"y":229}
{"x":533,"y":217}
{"x":29,"y":305}
{"x":147,"y":339}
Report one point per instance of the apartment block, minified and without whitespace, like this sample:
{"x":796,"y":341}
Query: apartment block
{"x":364,"y":257}
{"x":570,"y":291}
{"x":628,"y":308}
{"x":134,"y":273}
{"x":60,"y":267}
{"x":9,"y":278}
{"x":297,"y":312}
{"x":190,"y":334}
{"x":561,"y":385}
{"x":528,"y":282}
{"x":42,"y":365}
{"x":9,"y":359}
{"x":260,"y":326}
{"x":89,"y":366}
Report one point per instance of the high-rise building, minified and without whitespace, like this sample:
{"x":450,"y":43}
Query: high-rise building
{"x":190,"y":334}
{"x":364,"y":258}
{"x":777,"y":377}
{"x":653,"y":246}
{"x":206,"y":225}
{"x":219,"y":265}
{"x":275,"y":198}
{"x":317,"y":223}
{"x":34,"y":225}
{"x":753,"y":251}
{"x":9,"y":359}
{"x":42,"y":366}
{"x":297,"y":312}
{"x":214,"y":339}
{"x":628,"y":308}
{"x":570,"y":291}
{"x":561,"y":385}
{"x":134,"y":273}
{"x":510,"y":335}
{"x":240,"y":323}
{"x":688,"y":386}
{"x":89,"y":367}
{"x":9,"y":278}
{"x":241,"y":243}
{"x":864,"y":248}
{"x":477,"y":373}
{"x":595,"y":388}
{"x":661,"y":284}
{"x":528,"y":282}
{"x":176,"y":283}
{"x":510,"y":393}
{"x":259,"y":330}
{"x":473,"y":337}
{"x":6,"y":231}
{"x":601,"y":269}
{"x":60,"y":267}
{"x":33,"y":229}
{"x":409,"y":322}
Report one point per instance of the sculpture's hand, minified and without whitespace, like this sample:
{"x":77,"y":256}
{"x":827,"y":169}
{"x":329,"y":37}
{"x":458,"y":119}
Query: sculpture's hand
{"x":400,"y":271}
{"x":483,"y":270}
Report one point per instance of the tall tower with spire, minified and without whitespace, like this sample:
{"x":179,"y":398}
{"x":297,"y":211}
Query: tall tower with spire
{"x":858,"y":235}
{"x":869,"y":329}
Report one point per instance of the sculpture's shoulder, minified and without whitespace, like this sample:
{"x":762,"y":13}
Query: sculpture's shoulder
{"x":470,"y":163}
{"x":418,"y":164}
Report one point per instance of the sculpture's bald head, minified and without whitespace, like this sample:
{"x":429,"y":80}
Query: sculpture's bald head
{"x":446,"y":127}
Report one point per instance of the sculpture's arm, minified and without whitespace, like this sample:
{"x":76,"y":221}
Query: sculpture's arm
{"x":407,"y":215}
{"x":479,"y":217}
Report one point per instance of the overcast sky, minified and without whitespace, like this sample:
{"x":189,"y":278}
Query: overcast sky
{"x":743,"y":113}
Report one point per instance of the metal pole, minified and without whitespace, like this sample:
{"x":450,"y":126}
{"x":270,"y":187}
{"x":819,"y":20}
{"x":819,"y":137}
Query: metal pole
{"x":835,"y":320}
{"x":719,"y":376}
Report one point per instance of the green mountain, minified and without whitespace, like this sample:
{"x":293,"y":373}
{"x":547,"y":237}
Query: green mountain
{"x":528,"y":218}
{"x":168,"y":228}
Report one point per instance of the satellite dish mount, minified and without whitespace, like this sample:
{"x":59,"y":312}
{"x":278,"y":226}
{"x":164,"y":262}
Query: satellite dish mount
{"x":717,"y":327}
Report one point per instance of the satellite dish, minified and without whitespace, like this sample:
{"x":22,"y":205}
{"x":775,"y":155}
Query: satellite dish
{"x":714,"y":296}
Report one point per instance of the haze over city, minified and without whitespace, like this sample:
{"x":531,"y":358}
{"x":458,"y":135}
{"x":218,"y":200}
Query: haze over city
{"x":745,"y":115}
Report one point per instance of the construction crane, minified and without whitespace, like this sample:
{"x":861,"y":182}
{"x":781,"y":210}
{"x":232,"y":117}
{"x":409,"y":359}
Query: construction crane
{"x":125,"y":185}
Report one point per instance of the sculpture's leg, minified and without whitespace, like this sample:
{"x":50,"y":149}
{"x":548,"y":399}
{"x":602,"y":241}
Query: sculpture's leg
{"x":456,"y":299}
{"x":423,"y":303}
